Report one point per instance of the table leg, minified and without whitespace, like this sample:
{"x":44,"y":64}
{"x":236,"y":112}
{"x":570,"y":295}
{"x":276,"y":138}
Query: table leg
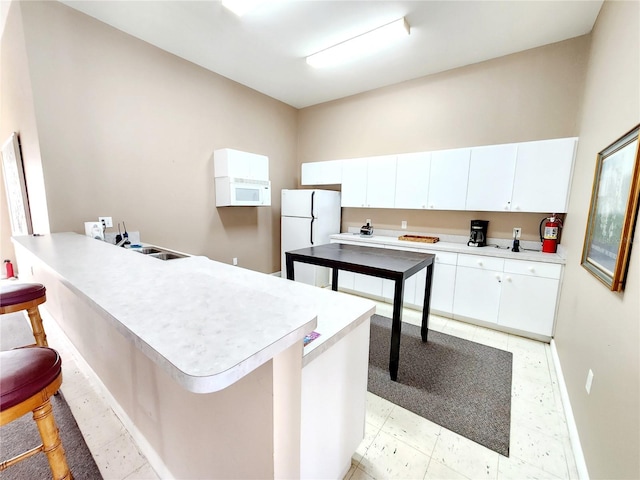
{"x":334,"y":279}
{"x":289,"y":263}
{"x":396,"y":329}
{"x":424,"y":331}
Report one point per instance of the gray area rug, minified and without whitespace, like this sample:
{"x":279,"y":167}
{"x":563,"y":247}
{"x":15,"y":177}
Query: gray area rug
{"x":460,"y":385}
{"x":22,"y":434}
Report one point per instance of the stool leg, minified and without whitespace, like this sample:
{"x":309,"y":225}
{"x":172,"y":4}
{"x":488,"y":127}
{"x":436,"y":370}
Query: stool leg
{"x":51,"y":443}
{"x":36,"y":326}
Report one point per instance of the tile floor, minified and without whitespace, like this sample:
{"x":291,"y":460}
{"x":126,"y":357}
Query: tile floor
{"x":398,"y":444}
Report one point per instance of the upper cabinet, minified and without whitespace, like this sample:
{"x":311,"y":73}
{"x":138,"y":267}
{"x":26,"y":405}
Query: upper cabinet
{"x":516,"y":177}
{"x":448,"y":179}
{"x":322,"y":173}
{"x":369,"y":182}
{"x":543,"y":175}
{"x":237,"y":164}
{"x":412,"y":180}
{"x":491,"y":171}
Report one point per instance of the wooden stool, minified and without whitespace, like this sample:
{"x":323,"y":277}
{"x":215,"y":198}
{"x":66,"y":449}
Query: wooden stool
{"x":28,"y":378}
{"x":26,"y":296}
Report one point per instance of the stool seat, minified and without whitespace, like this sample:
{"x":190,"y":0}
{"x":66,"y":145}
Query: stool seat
{"x":26,"y":296}
{"x":26,"y":371}
{"x":28,"y":378}
{"x":20,"y":293}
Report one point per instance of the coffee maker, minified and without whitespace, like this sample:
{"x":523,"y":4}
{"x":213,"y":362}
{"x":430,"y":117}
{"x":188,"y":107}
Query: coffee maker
{"x":478,"y":237}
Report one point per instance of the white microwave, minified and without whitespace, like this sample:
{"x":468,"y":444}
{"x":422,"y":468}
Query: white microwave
{"x":242,"y":192}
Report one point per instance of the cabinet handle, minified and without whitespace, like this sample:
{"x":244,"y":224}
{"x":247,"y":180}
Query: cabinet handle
{"x":498,"y":278}
{"x":508,"y":279}
{"x":531,"y":269}
{"x":480,"y":262}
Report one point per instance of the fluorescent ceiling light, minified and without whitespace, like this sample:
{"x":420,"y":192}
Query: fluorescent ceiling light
{"x":362,"y":45}
{"x":240,"y":7}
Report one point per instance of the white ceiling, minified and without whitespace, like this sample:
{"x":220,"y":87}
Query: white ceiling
{"x":266,"y":49}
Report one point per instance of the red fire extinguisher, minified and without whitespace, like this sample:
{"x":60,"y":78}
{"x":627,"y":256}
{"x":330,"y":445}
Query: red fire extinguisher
{"x":549,"y":236}
{"x":9,"y":268}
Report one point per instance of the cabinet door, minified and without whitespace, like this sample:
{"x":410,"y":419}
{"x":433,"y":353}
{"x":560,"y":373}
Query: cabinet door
{"x":442,"y":288}
{"x":412,"y":180}
{"x":366,"y":284}
{"x":491,"y":171}
{"x":321,"y":173}
{"x":528,"y":303}
{"x":448,"y":179}
{"x":477,"y":294}
{"x":543,"y":176}
{"x":345,"y":280}
{"x":354,"y":183}
{"x":381,"y":182}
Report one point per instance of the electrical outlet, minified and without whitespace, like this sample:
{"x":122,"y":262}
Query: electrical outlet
{"x":235,"y":260}
{"x":404,"y":225}
{"x":108,"y":221}
{"x":589,"y":382}
{"x":516,"y":232}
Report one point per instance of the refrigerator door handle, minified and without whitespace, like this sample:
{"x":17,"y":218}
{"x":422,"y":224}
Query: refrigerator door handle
{"x":311,"y":239}
{"x":313,"y":217}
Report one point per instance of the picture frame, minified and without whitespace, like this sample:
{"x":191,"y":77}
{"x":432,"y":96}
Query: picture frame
{"x":16,"y":188}
{"x":613,"y":211}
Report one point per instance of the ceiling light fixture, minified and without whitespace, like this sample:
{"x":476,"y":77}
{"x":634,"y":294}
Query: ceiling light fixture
{"x":361,"y":45}
{"x":240,"y":7}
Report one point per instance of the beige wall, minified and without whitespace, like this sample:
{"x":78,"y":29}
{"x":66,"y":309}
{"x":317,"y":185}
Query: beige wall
{"x":532,"y":95}
{"x":598,"y":329}
{"x":17,"y":115}
{"x":127,"y":130}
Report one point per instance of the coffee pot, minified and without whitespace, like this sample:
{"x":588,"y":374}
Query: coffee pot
{"x":478,"y":235}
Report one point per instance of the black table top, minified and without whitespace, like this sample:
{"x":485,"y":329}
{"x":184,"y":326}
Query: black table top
{"x":355,"y":257}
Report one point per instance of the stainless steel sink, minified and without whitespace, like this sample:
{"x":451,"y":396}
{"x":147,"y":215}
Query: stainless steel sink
{"x":159,"y":253}
{"x":167,"y":255}
{"x":148,"y":250}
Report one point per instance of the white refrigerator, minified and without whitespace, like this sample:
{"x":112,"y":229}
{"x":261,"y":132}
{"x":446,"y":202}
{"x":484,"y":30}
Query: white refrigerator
{"x":309,"y":217}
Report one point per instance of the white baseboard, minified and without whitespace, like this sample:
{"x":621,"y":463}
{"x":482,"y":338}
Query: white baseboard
{"x":581,"y":465}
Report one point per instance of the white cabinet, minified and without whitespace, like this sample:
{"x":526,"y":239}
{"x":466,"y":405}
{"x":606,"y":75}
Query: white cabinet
{"x":543,"y":175}
{"x":369,"y":182}
{"x":228,"y":162}
{"x":321,"y":173}
{"x":517,"y":177}
{"x":442,"y":286}
{"x":448,"y":179}
{"x":512,"y":295}
{"x":412,"y":180}
{"x":529,"y":296}
{"x":491,"y":171}
{"x":354,"y":183}
{"x":477,"y":288}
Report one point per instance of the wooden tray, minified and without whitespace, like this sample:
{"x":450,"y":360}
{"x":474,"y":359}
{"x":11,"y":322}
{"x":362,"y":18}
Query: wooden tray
{"x":419,"y":238}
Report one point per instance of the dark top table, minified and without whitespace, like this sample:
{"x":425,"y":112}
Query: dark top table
{"x":396,"y":265}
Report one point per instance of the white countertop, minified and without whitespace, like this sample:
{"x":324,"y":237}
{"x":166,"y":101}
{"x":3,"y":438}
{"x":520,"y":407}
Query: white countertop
{"x":455,"y":247}
{"x":206,"y":323}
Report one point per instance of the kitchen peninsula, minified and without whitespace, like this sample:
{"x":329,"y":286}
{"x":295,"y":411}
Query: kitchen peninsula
{"x":204,"y":362}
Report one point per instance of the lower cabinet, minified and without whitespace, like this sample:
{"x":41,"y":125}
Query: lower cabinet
{"x":513,"y":295}
{"x":529,"y":296}
{"x":478,"y":287}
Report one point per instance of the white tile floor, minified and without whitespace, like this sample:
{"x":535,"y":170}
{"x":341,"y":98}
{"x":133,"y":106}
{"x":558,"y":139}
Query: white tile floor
{"x":398,"y":444}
